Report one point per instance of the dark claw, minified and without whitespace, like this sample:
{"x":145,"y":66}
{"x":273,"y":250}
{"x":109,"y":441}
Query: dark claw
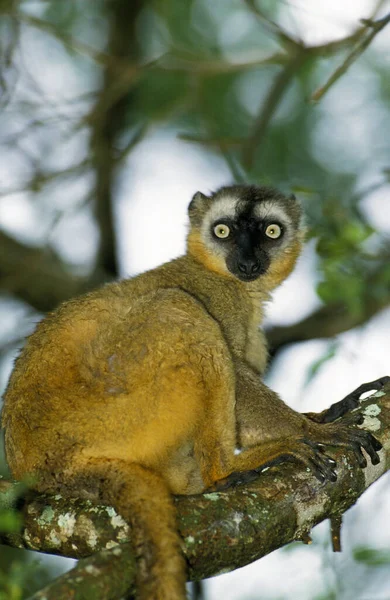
{"x":359,"y":455}
{"x":318,"y":474}
{"x":332,"y":473}
{"x":371,"y":446}
{"x":358,"y":439}
{"x":376,"y":443}
{"x":236,"y":478}
{"x":316,"y":446}
{"x":359,"y":419}
{"x":321,"y":464}
{"x":322,"y":471}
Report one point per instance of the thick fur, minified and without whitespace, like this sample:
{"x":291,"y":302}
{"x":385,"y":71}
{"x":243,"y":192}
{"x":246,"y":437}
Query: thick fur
{"x":146,"y":387}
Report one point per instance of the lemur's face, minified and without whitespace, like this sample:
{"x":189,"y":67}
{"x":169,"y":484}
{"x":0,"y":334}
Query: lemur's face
{"x":245,"y":231}
{"x":247,"y":235}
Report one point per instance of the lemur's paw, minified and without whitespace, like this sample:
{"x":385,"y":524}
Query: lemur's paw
{"x":351,"y":401}
{"x":345,"y":434}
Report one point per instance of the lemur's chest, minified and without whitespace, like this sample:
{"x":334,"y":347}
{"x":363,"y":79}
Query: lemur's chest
{"x":245,"y":338}
{"x":256,"y":345}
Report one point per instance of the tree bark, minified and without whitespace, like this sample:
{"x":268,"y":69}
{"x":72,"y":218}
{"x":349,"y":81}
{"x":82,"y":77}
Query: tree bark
{"x":220,"y":531}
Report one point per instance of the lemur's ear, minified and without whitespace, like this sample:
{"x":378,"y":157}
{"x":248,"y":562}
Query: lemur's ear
{"x":197,"y":206}
{"x":295,"y":210}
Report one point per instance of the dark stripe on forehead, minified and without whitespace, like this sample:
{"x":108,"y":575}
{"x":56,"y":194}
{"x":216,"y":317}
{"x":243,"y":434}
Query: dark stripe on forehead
{"x":244,"y":209}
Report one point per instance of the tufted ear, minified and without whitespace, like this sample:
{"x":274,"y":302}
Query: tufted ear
{"x":295,"y":209}
{"x":197,"y":207}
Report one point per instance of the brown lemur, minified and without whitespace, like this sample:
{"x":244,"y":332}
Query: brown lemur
{"x":152,"y":386}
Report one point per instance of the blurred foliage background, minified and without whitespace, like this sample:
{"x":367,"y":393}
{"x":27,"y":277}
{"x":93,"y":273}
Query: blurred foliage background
{"x":270,"y":92}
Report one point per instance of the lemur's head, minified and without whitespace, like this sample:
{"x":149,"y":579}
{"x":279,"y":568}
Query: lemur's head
{"x":247,"y":232}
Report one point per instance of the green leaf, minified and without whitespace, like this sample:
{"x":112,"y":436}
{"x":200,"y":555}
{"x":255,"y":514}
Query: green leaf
{"x":372,"y":557}
{"x":160,"y":92}
{"x":10,"y":521}
{"x":355,"y":232}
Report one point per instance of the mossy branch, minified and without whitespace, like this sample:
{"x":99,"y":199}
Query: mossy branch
{"x":220,"y":531}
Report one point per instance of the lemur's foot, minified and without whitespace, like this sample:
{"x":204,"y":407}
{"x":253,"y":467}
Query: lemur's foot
{"x":351,"y":401}
{"x":302,"y":450}
{"x":326,"y":433}
{"x":345,"y":434}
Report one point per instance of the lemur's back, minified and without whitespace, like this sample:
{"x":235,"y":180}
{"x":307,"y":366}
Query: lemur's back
{"x":113,"y":374}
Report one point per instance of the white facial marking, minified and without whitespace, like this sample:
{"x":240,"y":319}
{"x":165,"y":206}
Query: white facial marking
{"x":225,"y":207}
{"x":270,"y":211}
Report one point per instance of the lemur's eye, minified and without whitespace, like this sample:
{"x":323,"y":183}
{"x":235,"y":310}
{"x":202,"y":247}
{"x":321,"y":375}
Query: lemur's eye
{"x":221,"y":230}
{"x":273,"y":231}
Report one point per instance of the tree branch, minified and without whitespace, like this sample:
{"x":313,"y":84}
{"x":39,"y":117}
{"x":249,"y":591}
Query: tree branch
{"x":220,"y":531}
{"x":38,"y":276}
{"x":271,"y":102}
{"x":108,"y":121}
{"x":299,"y":53}
{"x":106,"y":575}
{"x":325,"y":322}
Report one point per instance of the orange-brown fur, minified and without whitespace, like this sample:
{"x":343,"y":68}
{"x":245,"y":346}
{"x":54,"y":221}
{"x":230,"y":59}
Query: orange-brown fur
{"x":145,"y":388}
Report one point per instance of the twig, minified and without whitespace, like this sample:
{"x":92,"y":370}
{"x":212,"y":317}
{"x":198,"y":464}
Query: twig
{"x":238,"y":173}
{"x":320,"y":49}
{"x":39,"y":179}
{"x":270,"y":105}
{"x":211,"y":67}
{"x":335,"y":525}
{"x":224,"y":142}
{"x":68,"y":41}
{"x":273,"y":27}
{"x":376,"y":27}
{"x":198,"y":591}
{"x":224,"y":145}
{"x":138,"y":136}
